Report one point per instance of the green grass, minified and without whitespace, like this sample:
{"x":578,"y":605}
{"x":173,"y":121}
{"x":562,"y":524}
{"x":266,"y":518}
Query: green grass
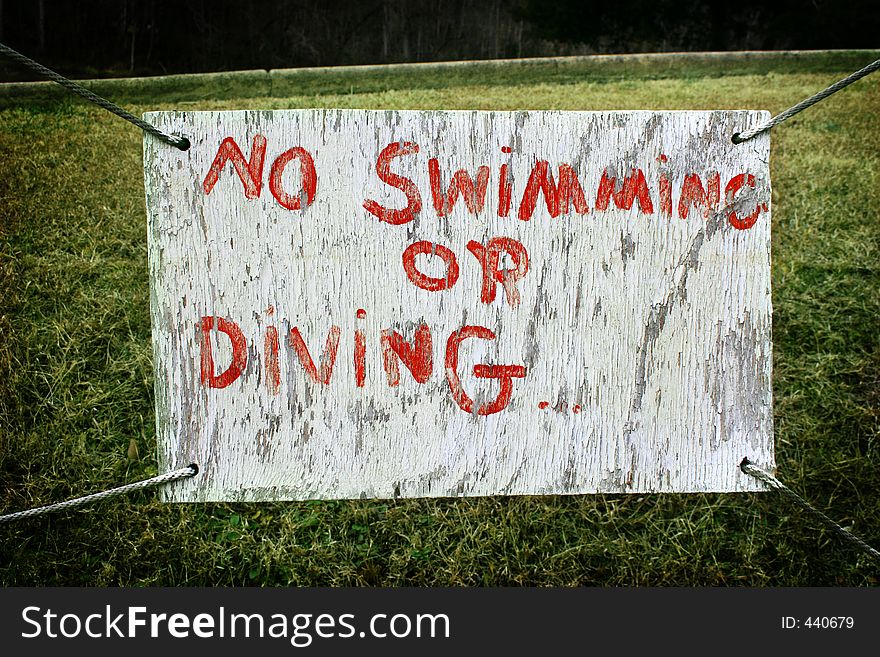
{"x":76,"y":377}
{"x":280,"y":83}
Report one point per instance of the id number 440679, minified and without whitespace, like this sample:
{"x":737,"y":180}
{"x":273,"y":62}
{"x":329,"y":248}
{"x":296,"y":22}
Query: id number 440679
{"x":818,"y":623}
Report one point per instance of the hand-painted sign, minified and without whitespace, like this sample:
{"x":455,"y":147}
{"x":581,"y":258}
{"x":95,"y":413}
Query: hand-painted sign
{"x":386,"y":303}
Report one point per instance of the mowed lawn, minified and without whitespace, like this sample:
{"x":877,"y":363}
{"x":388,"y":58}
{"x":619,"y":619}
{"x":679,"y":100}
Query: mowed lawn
{"x":76,"y":377}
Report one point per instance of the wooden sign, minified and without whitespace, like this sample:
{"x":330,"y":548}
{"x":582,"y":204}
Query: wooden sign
{"x":392,"y":304}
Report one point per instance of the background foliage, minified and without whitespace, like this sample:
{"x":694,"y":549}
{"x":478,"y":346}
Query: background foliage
{"x":93,"y":38}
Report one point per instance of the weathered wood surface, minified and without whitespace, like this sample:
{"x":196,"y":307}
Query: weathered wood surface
{"x":644,"y":336}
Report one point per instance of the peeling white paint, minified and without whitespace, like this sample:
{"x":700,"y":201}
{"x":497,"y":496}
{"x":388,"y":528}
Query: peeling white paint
{"x":656,"y":327}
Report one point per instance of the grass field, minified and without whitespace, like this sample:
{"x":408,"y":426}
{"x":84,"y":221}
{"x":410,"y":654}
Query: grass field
{"x":76,"y":391}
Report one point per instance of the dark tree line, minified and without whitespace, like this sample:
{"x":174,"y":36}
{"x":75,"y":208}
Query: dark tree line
{"x":142,"y":37}
{"x":682,"y":25}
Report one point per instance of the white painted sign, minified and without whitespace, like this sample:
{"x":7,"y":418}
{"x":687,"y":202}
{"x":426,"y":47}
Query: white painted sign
{"x":401,"y":304}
